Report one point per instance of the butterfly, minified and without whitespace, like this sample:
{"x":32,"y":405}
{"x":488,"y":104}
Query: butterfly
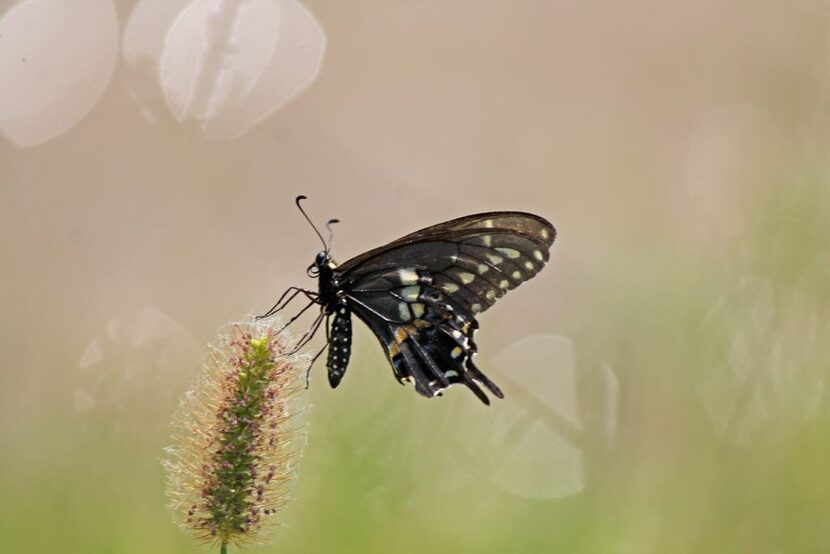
{"x":420,"y":295}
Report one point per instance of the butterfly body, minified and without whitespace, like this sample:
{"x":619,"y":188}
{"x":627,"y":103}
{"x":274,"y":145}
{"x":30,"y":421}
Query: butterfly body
{"x":420,"y":295}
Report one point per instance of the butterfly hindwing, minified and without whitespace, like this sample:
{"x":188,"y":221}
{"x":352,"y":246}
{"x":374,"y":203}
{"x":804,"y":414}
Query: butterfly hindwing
{"x":432,"y":351}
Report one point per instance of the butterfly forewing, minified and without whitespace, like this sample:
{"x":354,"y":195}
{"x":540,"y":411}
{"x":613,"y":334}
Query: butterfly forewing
{"x":517,"y":223}
{"x":420,"y":294}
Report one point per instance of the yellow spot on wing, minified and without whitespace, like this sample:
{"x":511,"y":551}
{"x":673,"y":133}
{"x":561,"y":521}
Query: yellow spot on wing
{"x":511,"y":253}
{"x":465,"y":277}
{"x":417,"y":309}
{"x":449,"y":287}
{"x":421,"y":324}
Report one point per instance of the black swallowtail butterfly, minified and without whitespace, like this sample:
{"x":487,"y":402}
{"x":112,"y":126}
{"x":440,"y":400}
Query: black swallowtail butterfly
{"x":421,"y":293}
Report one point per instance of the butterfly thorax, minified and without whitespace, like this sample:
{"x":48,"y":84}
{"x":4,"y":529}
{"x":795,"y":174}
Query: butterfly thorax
{"x":329,"y":288}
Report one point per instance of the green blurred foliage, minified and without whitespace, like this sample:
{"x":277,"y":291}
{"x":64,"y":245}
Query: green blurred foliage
{"x":720,"y":443}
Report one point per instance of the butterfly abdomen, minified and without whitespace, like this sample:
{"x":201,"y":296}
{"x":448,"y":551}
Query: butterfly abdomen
{"x":340,"y":344}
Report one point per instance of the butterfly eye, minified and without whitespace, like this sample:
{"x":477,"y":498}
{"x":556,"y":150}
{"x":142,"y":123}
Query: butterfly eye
{"x":313,"y":271}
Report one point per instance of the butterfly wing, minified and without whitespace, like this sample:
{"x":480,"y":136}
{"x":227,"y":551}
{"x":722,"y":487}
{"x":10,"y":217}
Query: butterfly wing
{"x":421,"y":293}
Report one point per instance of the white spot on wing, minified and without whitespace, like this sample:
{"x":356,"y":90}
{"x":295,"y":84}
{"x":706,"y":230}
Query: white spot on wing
{"x":403,"y":311}
{"x":483,"y":268}
{"x":417,"y":309}
{"x":538,"y":255}
{"x":410,"y":294}
{"x":408,"y":277}
{"x":495,"y":259}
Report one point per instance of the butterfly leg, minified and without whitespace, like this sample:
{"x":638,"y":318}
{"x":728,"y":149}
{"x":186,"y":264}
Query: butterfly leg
{"x":309,"y":334}
{"x":317,"y":355}
{"x":291,"y":293}
{"x":297,"y":316}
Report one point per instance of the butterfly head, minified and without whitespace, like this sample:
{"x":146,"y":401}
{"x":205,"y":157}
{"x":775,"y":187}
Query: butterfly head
{"x":323,"y":264}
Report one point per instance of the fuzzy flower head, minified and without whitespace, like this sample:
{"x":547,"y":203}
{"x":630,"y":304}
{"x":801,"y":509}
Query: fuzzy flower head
{"x":237,"y":438}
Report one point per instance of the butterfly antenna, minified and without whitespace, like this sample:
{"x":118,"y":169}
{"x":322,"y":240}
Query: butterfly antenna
{"x":305,"y":215}
{"x":329,"y":223}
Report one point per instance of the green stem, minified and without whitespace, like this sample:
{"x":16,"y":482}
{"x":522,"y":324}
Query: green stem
{"x":224,"y":548}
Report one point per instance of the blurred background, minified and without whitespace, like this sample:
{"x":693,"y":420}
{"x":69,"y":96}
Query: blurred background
{"x":665,"y":376}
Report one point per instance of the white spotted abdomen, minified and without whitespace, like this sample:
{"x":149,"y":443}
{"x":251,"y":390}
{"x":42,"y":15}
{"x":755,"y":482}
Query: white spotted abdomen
{"x":340,"y":344}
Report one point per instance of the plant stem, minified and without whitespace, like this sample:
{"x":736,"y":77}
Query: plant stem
{"x":224,"y":548}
